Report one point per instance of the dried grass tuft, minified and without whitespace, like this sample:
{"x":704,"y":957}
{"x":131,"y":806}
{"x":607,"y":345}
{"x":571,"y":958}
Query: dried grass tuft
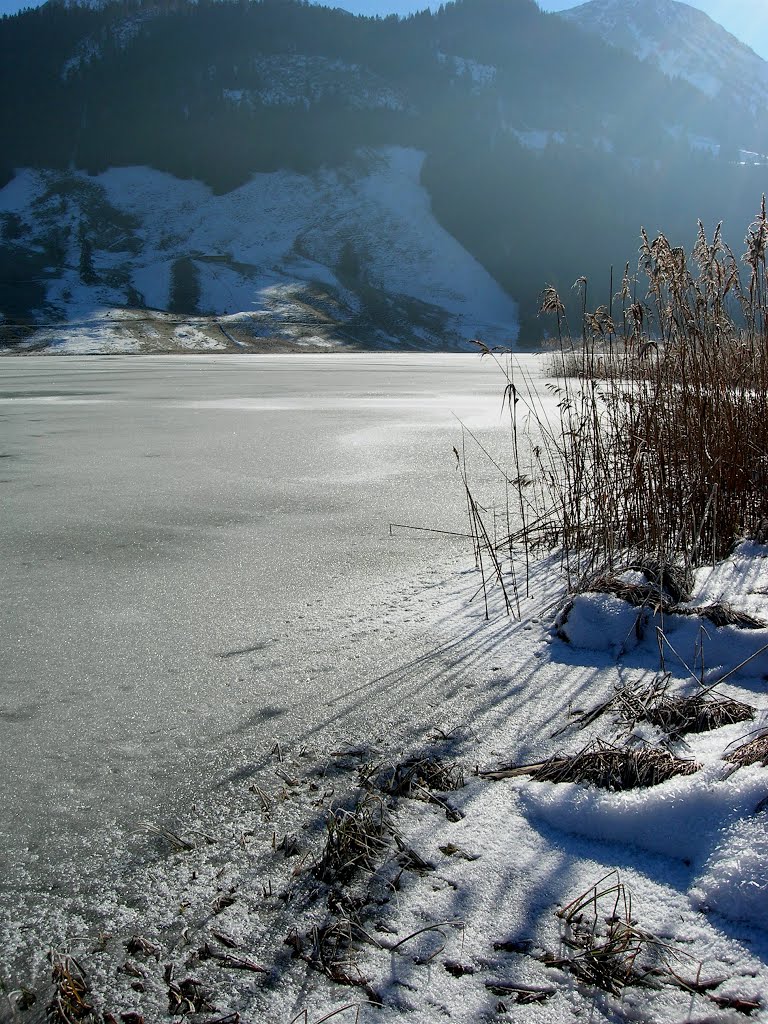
{"x":668,"y":583}
{"x":754,"y":751}
{"x":638,"y":595}
{"x":725,"y":615}
{"x":412,"y":777}
{"x":675,"y":581}
{"x":605,"y":766}
{"x":606,"y":948}
{"x":71,"y":989}
{"x":189,"y":996}
{"x":417,"y":778}
{"x":355,"y":840}
{"x":330,"y":949}
{"x":677,"y":715}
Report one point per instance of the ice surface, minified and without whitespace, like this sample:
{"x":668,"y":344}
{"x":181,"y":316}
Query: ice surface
{"x":199,"y":565}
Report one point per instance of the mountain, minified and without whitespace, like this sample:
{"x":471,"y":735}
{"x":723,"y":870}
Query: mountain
{"x":683,"y":42}
{"x":323,"y":177}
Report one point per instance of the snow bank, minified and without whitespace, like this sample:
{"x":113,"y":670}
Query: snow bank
{"x":734,"y":879}
{"x":606,"y":623}
{"x":601,"y":622}
{"x":681,"y":818}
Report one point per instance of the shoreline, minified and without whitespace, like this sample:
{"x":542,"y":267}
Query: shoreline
{"x":457,"y":911}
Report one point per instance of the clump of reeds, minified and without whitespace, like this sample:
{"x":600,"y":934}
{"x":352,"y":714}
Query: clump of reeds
{"x":754,"y":751}
{"x":605,"y":947}
{"x":673,"y":579}
{"x":661,"y":444}
{"x":605,"y":766}
{"x":417,"y":778}
{"x":354,"y":839}
{"x":676,"y":714}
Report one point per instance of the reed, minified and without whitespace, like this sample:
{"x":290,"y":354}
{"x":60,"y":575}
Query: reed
{"x":662,"y":442}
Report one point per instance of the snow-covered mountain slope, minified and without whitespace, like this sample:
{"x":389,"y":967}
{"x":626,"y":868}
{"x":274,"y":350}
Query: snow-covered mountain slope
{"x":353,"y":253}
{"x":682,"y":41}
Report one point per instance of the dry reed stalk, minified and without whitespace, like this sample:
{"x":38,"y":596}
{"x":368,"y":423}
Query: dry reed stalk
{"x":483,"y":545}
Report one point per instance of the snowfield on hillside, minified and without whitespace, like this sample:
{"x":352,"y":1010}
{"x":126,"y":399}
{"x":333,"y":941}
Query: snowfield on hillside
{"x":683,"y":42}
{"x":351,"y":255}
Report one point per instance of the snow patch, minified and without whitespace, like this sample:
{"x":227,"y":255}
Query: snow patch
{"x":733,"y":881}
{"x":538,"y":138}
{"x":683,"y":42}
{"x":480,"y":75}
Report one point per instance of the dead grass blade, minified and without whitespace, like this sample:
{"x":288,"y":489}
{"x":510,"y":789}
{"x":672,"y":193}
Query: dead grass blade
{"x":175,"y":840}
{"x":522,"y":994}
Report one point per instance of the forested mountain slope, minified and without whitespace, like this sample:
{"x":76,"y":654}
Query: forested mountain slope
{"x":541,"y":148}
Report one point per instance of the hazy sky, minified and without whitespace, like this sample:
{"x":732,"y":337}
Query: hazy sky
{"x":747,"y":19}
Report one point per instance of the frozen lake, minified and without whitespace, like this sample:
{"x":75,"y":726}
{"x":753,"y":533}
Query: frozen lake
{"x":197,"y":563}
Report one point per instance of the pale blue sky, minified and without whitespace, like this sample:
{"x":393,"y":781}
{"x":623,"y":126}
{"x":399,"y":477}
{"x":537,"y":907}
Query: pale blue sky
{"x":747,"y":19}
